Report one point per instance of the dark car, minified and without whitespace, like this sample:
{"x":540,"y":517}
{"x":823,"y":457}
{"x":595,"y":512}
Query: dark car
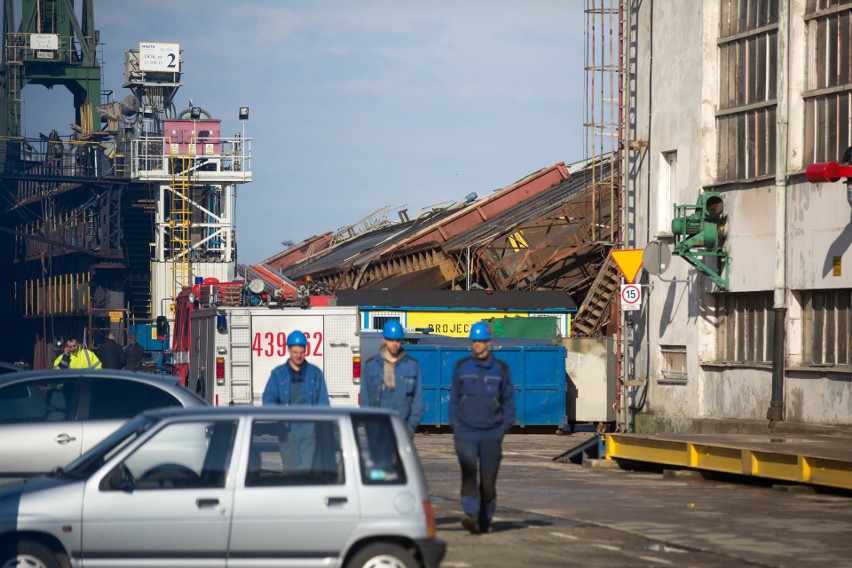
{"x":6,"y":368}
{"x":48,"y":418}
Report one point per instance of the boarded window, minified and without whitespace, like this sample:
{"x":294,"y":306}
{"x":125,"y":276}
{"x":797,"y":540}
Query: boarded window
{"x":746,"y":325}
{"x":825,"y":327}
{"x":673,"y":362}
{"x":828,"y":106}
{"x":748,"y":44}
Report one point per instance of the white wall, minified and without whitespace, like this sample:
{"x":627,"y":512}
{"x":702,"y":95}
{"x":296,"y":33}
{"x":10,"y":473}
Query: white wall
{"x":677,"y":85}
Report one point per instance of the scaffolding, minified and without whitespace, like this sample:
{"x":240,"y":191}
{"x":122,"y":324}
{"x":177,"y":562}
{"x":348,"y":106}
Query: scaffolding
{"x":603,"y":102}
{"x":604,"y":137}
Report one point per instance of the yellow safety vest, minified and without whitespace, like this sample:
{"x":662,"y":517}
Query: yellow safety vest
{"x":82,"y":359}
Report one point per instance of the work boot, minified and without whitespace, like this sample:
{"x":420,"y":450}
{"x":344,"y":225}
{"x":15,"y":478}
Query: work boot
{"x":469,"y":523}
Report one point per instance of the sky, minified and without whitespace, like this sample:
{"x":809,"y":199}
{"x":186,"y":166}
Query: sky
{"x":360,"y":104}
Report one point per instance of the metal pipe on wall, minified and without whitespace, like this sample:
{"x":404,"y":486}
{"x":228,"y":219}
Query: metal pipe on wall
{"x":779,"y":305}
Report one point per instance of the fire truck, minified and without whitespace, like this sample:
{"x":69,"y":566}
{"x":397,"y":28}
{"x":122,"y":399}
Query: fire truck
{"x":225,"y":348}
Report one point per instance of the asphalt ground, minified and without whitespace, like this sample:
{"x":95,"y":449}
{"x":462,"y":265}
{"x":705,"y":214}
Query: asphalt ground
{"x":563,"y":514}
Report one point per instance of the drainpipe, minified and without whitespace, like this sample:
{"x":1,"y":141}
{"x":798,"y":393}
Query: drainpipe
{"x":775,"y":413}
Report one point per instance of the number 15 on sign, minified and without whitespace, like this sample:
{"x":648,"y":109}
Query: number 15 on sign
{"x":631,"y":297}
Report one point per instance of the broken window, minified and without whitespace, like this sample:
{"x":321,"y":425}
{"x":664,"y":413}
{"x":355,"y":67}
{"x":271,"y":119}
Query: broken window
{"x":745,"y":121}
{"x":826,"y":321}
{"x":828,"y":105}
{"x":745,"y":327}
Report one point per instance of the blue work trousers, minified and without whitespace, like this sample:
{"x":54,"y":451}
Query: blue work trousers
{"x":479,"y":451}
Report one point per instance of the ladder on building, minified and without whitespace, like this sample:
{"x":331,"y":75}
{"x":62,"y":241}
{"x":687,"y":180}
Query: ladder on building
{"x":14,"y":70}
{"x":180,"y":224}
{"x":240,"y":344}
{"x":595,"y":307}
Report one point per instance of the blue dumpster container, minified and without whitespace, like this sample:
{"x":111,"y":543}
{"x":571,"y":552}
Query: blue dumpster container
{"x":538,"y":375}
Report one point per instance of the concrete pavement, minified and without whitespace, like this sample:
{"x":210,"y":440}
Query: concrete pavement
{"x":558,"y":514}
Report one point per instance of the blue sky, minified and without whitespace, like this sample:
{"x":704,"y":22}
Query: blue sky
{"x":357,"y":105}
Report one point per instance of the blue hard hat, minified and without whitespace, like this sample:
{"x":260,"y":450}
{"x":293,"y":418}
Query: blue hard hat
{"x":296,"y":337}
{"x":393,"y":330}
{"x":480,"y":332}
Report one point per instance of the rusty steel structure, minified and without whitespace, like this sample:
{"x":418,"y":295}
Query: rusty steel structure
{"x":535,"y":234}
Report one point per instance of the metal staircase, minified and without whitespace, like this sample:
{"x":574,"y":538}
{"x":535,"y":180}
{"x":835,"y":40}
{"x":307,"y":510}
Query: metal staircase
{"x":180,"y":224}
{"x":138,"y":230}
{"x":594,"y":310}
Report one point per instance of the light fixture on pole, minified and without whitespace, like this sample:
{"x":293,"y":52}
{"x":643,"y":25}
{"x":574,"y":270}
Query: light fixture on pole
{"x":244,"y":115}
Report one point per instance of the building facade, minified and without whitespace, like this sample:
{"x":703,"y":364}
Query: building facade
{"x":739,"y":97}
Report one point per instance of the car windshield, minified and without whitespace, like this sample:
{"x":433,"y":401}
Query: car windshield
{"x":91,"y":461}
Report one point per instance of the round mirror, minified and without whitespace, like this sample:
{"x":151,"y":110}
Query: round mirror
{"x":656,"y":258}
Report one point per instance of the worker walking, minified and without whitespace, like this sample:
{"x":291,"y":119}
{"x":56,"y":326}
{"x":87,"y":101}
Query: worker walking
{"x":293,"y":383}
{"x":110,"y":353}
{"x":75,"y":357}
{"x":481,"y":412}
{"x":296,"y":381}
{"x":133,"y":354}
{"x":391,"y":379}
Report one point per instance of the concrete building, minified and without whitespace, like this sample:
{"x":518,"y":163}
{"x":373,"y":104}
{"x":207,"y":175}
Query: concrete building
{"x":739,"y":97}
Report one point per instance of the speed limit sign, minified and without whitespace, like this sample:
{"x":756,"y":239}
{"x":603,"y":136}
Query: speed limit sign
{"x":631,"y":297}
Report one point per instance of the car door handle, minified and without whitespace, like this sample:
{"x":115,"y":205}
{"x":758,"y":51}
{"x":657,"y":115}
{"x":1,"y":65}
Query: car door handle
{"x":329,"y":501}
{"x":206,"y":503}
{"x":64,"y":439}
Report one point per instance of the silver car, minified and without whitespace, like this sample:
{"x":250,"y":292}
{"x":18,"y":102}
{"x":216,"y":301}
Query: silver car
{"x":236,"y":487}
{"x":49,"y":418}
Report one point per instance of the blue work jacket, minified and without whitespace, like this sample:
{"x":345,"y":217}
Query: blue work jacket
{"x":277,"y":389}
{"x":482,"y":395}
{"x":406,"y":398}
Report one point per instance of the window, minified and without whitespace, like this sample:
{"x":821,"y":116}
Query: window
{"x":181,"y":455}
{"x":745,"y":121}
{"x":666,"y":193}
{"x":295,"y":452}
{"x":674,"y":362}
{"x":379,"y":319}
{"x":377,"y":451}
{"x":745,"y":328}
{"x":114,"y":398}
{"x":826,"y":324}
{"x":44,"y":400}
{"x":828,"y":98}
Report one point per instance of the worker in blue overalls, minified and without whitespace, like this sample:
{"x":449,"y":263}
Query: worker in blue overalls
{"x":391,"y":379}
{"x":481,"y":412}
{"x":296,"y":382}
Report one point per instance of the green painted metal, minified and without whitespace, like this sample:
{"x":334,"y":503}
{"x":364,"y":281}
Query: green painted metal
{"x":699,"y":233}
{"x":73,"y":65}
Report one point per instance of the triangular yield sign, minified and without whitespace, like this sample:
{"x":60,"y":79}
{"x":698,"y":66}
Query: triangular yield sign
{"x":629,"y":261}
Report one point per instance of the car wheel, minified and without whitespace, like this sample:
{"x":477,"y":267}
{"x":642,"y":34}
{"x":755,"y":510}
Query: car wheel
{"x":382,"y":555}
{"x":27,"y":554}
